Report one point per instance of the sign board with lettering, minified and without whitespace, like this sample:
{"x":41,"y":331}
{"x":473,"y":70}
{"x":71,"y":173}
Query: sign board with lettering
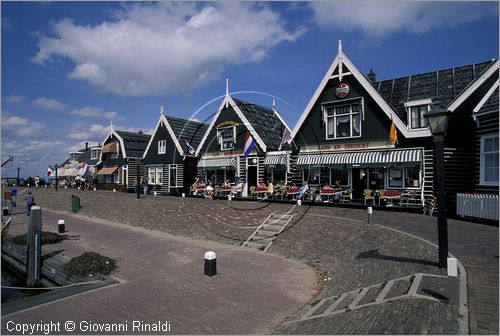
{"x":227,"y":123}
{"x":347,"y":147}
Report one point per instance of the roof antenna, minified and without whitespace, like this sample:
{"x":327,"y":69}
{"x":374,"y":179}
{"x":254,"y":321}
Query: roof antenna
{"x":340,"y":60}
{"x":161,"y":110}
{"x":227,"y":92}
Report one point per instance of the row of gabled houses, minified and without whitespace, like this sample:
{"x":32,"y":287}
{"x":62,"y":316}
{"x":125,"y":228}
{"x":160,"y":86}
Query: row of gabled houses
{"x":342,"y":135}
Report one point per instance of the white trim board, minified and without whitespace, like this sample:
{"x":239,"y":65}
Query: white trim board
{"x":486,"y":96}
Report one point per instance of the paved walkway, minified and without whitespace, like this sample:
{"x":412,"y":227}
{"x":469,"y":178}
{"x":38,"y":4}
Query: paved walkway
{"x":346,"y":252}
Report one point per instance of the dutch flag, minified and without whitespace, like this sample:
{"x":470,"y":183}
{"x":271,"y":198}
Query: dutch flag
{"x":84,"y":170}
{"x":249,"y":145}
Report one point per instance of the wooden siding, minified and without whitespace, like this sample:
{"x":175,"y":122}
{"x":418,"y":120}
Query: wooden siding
{"x":132,"y":172}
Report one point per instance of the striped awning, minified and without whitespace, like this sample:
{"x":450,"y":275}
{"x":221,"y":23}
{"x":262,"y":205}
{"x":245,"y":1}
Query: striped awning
{"x":274,"y":160}
{"x":217,"y":163}
{"x":361,"y":158}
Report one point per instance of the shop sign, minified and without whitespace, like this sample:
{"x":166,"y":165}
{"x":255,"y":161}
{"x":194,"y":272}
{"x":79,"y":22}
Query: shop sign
{"x":342,"y":90}
{"x":346,"y":147}
{"x":227,"y":123}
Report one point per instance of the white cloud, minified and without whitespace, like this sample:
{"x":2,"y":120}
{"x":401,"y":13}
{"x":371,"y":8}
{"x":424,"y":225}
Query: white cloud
{"x":49,"y":104}
{"x":94,"y":112}
{"x":93,"y":132}
{"x":15,"y":98}
{"x":381,"y":18}
{"x":19,"y":126}
{"x":165,"y":48}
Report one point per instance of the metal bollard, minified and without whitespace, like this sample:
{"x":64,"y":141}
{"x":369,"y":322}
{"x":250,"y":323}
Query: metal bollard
{"x":155,"y":193}
{"x":370,"y":212}
{"x":210,"y":263}
{"x":452,"y":280}
{"x":60,"y":226}
{"x":183,"y":195}
{"x":34,"y":247}
{"x":95,"y":188}
{"x":114,"y":190}
{"x":229,"y":198}
{"x":299,"y":202}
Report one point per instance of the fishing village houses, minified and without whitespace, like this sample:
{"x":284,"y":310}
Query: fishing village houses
{"x":366,"y":136}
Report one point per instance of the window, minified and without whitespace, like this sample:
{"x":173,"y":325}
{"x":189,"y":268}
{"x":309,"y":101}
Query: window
{"x":173,"y":176}
{"x":276,"y":174}
{"x":155,"y":175}
{"x":94,"y":153}
{"x":417,"y":119}
{"x":489,"y":160}
{"x":341,"y":175}
{"x":227,"y":137}
{"x":396,"y":177}
{"x":376,"y":178}
{"x":343,"y":121}
{"x":412,"y":177}
{"x":162,"y":146}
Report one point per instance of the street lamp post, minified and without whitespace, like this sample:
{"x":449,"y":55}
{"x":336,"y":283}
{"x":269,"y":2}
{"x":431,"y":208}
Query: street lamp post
{"x":55,"y":167}
{"x":438,"y":122}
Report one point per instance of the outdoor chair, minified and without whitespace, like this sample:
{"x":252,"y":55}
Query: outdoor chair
{"x":346,"y":196}
{"x":311,"y":194}
{"x":368,"y":195}
{"x":429,"y":205}
{"x":408,"y":196}
{"x":252,"y":191}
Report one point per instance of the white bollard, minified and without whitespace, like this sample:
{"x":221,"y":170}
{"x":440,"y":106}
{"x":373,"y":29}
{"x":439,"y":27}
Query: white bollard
{"x":155,"y":193}
{"x":229,"y":197}
{"x":299,"y":202}
{"x":95,"y":188}
{"x":370,"y":212}
{"x":114,"y":190}
{"x":452,"y":266}
{"x":60,"y":226}
{"x":65,"y":187}
{"x":183,"y":195}
{"x":210,"y":263}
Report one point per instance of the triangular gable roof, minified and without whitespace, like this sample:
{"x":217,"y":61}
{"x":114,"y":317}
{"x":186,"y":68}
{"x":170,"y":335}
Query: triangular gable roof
{"x":366,"y":85}
{"x":179,"y":130}
{"x":247,"y":107}
{"x":135,"y":143}
{"x":489,"y":103}
{"x":342,"y":59}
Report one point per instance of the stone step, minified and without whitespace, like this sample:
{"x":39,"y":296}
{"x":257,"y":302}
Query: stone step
{"x":276,"y":221}
{"x":261,"y":239}
{"x":266,"y":233}
{"x":270,"y":227}
{"x":256,"y":245}
{"x":275,"y":215}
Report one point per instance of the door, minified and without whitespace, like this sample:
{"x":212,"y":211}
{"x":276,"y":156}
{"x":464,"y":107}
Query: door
{"x":252,"y":172}
{"x":358,"y":182}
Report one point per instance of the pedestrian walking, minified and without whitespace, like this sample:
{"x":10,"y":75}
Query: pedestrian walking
{"x":30,"y":201}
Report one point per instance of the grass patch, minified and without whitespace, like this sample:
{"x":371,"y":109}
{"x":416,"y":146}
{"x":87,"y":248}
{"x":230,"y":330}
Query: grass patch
{"x":47,"y":238}
{"x":90,"y":263}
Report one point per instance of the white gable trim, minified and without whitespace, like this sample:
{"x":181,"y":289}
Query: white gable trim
{"x":470,"y":90}
{"x":122,"y":145}
{"x":369,"y":89}
{"x":172,"y":135}
{"x":248,"y":125}
{"x":152,"y":136}
{"x":212,"y":123}
{"x":486,"y":96}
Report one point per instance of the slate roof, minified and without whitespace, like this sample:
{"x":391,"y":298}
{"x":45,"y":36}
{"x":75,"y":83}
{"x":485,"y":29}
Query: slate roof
{"x":442,"y":86}
{"x":491,"y":105}
{"x":135,"y":143}
{"x":187,"y":130}
{"x":85,"y":156}
{"x":265,"y":122}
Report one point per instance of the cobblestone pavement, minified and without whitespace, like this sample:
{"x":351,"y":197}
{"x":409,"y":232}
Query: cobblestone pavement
{"x":339,"y":244}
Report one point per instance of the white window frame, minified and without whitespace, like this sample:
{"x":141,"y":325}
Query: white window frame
{"x":162,"y":146}
{"x":482,"y":161}
{"x":413,"y":104}
{"x":346,"y":102}
{"x":220,"y":138}
{"x":155,"y":175}
{"x":95,"y":151}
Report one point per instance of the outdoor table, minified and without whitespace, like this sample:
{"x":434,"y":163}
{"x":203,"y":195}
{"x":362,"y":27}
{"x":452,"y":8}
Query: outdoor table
{"x":201,"y":189}
{"x":292,"y":191}
{"x":391,"y":195}
{"x":261,"y":190}
{"x":329,"y":192}
{"x":225,"y":190}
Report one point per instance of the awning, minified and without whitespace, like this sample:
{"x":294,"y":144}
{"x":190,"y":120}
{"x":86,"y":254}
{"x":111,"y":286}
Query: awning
{"x":274,"y":160}
{"x":107,"y":170}
{"x":217,"y":163}
{"x":361,"y":158}
{"x":109,"y":148}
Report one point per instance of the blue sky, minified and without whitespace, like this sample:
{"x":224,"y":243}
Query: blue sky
{"x":70,"y":68}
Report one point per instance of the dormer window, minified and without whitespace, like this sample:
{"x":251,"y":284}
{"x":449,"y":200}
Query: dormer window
{"x":162,"y":146}
{"x":227,"y":137}
{"x":94,"y":153}
{"x":343,"y":120}
{"x":416,"y":111}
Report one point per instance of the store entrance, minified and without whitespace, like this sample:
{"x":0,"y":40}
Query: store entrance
{"x":358,"y":183}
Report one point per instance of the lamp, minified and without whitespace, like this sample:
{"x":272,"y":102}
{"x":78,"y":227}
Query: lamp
{"x":438,"y":122}
{"x":437,"y":119}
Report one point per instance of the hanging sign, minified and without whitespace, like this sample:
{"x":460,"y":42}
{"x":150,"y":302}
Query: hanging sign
{"x":227,"y":123}
{"x":342,"y":90}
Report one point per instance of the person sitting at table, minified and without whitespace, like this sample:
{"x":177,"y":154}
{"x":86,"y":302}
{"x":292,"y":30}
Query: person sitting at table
{"x":227,"y":183}
{"x":210,"y":189}
{"x":304,"y":189}
{"x":337,"y":184}
{"x":270,"y":189}
{"x":236,"y":188}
